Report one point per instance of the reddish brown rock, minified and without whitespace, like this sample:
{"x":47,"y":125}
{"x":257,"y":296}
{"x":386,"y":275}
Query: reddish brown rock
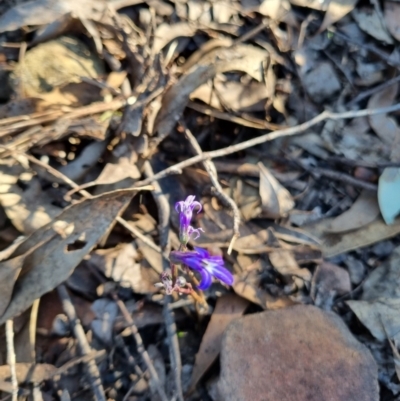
{"x":299,"y":353}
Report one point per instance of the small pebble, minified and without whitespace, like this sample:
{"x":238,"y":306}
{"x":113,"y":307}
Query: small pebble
{"x":383,"y":249}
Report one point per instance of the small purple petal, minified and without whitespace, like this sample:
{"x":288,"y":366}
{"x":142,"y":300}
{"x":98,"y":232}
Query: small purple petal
{"x":223,"y":274}
{"x":195,"y":231}
{"x":206,"y":280}
{"x":179,"y":205}
{"x":195,"y":204}
{"x":200,"y":260}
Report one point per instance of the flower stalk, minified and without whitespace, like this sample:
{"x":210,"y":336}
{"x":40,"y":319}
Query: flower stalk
{"x":199,"y":260}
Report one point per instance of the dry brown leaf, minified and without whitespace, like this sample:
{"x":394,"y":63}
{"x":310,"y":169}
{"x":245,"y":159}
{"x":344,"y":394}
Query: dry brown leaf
{"x":223,"y":11}
{"x":208,"y":95}
{"x":166,"y":33}
{"x":363,"y":211}
{"x":381,"y":317}
{"x":121,"y":174}
{"x":277,"y":10}
{"x":153,"y":257}
{"x":247,"y":285}
{"x":329,"y":281}
{"x":358,"y":144}
{"x":176,"y":97}
{"x":246,"y":197}
{"x":206,"y":52}
{"x":252,"y":242}
{"x":384,"y":126}
{"x":228,"y":307}
{"x":392,"y":18}
{"x":276,"y":201}
{"x":9,"y":273}
{"x":7,"y":252}
{"x":199,"y":11}
{"x":116,"y":78}
{"x":368,"y":20}
{"x":28,"y":208}
{"x":116,"y":172}
{"x":242,"y":97}
{"x":57,"y":63}
{"x":384,"y":280}
{"x":53,"y":262}
{"x":42,"y":12}
{"x":121,"y":265}
{"x":26,"y":373}
{"x":314,"y":4}
{"x":244,"y":58}
{"x":284,"y":263}
{"x":336,"y":244}
{"x":337,"y":9}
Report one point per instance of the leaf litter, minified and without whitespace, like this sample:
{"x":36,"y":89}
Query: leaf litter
{"x":96,"y":93}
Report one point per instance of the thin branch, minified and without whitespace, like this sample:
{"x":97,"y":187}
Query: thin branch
{"x":250,"y":122}
{"x":342,"y":177}
{"x":140,"y":347}
{"x":371,"y":91}
{"x":26,"y":121}
{"x":219,"y":192}
{"x":11,"y":358}
{"x":79,"y":333}
{"x":163,"y":217}
{"x":296,"y":130}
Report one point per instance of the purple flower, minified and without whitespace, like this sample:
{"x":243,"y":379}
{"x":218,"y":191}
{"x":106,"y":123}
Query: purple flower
{"x":185,"y":210}
{"x":208,"y":266}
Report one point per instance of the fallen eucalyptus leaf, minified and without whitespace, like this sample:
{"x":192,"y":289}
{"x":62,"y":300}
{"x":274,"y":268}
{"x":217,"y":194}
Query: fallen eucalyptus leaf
{"x":53,"y":262}
{"x":363,"y":211}
{"x":389,"y":194}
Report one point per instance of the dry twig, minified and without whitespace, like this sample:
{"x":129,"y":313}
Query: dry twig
{"x":342,"y":177}
{"x":250,"y":122}
{"x":11,"y":358}
{"x":296,"y":130}
{"x":219,"y":192}
{"x":79,"y":333}
{"x":371,"y":91}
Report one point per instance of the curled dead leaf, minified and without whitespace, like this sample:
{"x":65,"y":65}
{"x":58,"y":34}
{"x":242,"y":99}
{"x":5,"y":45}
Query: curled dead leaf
{"x":276,"y":201}
{"x":363,"y":211}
